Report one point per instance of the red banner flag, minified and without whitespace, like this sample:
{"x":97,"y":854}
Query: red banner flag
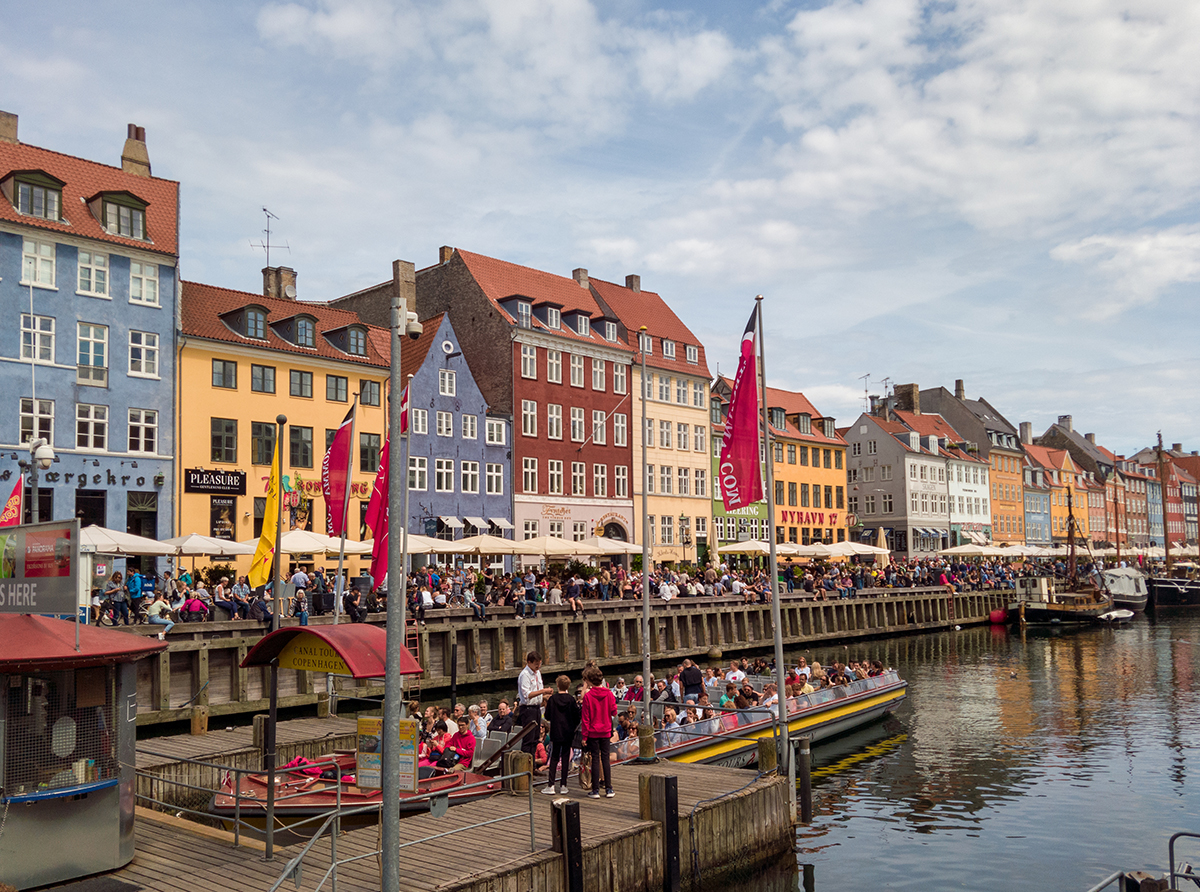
{"x":335,"y":468}
{"x":11,"y":515}
{"x":376,"y":517}
{"x":739,"y":472}
{"x":404,"y":411}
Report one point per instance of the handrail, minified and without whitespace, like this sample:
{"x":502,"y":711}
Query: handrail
{"x":1171,"y":854}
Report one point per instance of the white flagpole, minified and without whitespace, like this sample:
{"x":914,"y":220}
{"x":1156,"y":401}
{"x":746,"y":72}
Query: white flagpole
{"x":337,"y":600}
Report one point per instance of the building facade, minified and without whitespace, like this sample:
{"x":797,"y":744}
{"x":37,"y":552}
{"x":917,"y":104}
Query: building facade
{"x":88,"y":279}
{"x":740,"y":524}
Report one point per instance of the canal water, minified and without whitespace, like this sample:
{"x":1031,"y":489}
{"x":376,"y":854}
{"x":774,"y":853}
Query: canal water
{"x":1043,"y":759}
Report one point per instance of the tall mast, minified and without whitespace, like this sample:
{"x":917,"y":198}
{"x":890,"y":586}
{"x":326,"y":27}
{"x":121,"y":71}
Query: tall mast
{"x":1162,"y":492}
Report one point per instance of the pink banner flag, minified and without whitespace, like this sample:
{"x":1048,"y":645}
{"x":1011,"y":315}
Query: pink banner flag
{"x":11,"y":514}
{"x":404,"y":411}
{"x":335,"y":468}
{"x":377,"y":515}
{"x":739,"y":472}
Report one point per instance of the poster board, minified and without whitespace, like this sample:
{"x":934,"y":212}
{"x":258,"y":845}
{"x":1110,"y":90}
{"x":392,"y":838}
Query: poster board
{"x":39,"y":568}
{"x":369,"y":753}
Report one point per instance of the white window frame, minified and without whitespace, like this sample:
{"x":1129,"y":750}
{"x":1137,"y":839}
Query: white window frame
{"x":94,"y":419}
{"x":701,"y":483}
{"x":529,"y":361}
{"x":524,"y":314}
{"x":145,"y":277}
{"x":553,"y":318}
{"x":681,"y":391}
{"x":41,"y":258}
{"x":554,"y":529}
{"x":621,"y":481}
{"x":470,"y":427}
{"x":664,"y":388}
{"x":620,"y":378}
{"x":529,"y":474}
{"x":40,"y":339}
{"x":91,"y":377}
{"x":418,"y":421}
{"x":692,"y":353}
{"x":665,"y":433}
{"x":666,"y":479}
{"x":578,"y":432}
{"x":494,"y":478}
{"x":599,"y":427}
{"x":620,"y":429}
{"x":530,"y":529}
{"x":598,"y":374}
{"x":668,"y":349}
{"x":683,"y":480}
{"x":141,"y":421}
{"x":554,"y":477}
{"x":610,"y":332}
{"x":699,"y":438}
{"x":667,"y":526}
{"x":583,"y":325}
{"x":579,"y":530}
{"x":553,"y":421}
{"x":496,"y":432}
{"x":648,"y":434}
{"x":306,"y":332}
{"x":468,"y":476}
{"x":681,"y":436}
{"x":529,"y":418}
{"x":147,"y":343}
{"x":645,"y":343}
{"x":578,"y":478}
{"x":445,"y":423}
{"x":418,"y":473}
{"x":554,"y":366}
{"x":96,"y":266}
{"x":447,"y":382}
{"x":443,"y":475}
{"x":576,"y":370}
{"x":600,"y":481}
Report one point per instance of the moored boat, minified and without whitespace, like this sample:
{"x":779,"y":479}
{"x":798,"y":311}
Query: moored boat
{"x":1127,"y":586}
{"x":1039,"y":600}
{"x":1166,"y":591}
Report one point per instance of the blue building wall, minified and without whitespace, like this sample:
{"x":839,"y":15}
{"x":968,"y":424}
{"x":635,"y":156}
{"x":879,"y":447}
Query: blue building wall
{"x":427,"y":506}
{"x":1037,"y":518}
{"x":110,"y":471}
{"x":1154,"y":512}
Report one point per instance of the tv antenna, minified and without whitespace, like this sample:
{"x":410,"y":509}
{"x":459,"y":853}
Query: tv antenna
{"x":885,"y":382}
{"x":266,"y":244}
{"x":866,"y":380}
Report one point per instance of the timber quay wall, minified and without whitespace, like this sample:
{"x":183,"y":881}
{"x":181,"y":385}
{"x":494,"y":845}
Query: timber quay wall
{"x":201,"y":668}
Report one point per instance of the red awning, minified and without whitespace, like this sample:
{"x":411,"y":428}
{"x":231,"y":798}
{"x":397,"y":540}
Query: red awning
{"x":362,"y":647}
{"x":41,"y":643}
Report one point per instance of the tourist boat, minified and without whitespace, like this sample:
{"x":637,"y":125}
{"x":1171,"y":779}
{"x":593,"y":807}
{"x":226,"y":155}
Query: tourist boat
{"x":1127,"y":587}
{"x":1175,"y":590}
{"x":820,"y":715}
{"x":302,"y":801}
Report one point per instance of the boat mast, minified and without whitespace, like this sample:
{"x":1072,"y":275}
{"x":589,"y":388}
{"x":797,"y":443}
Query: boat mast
{"x":1162,"y":490}
{"x":1070,"y":537}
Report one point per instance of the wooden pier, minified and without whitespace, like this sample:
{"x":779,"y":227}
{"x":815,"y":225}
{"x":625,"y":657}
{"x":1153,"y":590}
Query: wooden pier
{"x":200,"y":671}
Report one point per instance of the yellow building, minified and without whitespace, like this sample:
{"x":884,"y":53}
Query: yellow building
{"x":676,"y":437}
{"x":1062,"y":477}
{"x":247,"y":358}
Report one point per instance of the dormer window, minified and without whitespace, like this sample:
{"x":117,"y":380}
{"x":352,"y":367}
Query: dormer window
{"x":692,"y":353}
{"x":668,"y":348}
{"x":524,"y":314}
{"x":256,"y":324}
{"x":38,"y":195}
{"x":124,"y":214}
{"x":306,"y":332}
{"x":583,"y":325}
{"x":777,"y":417}
{"x":553,"y":317}
{"x":356,"y":342}
{"x":610,"y":331}
{"x":804,"y":423}
{"x":645,"y":343}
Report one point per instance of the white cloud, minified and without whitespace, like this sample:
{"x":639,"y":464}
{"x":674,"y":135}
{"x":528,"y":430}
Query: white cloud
{"x":678,"y":66}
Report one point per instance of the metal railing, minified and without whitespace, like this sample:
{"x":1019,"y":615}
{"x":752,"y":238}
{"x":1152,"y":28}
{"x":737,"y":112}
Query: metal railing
{"x":1120,"y":877}
{"x":1171,"y":855}
{"x":294,"y":868}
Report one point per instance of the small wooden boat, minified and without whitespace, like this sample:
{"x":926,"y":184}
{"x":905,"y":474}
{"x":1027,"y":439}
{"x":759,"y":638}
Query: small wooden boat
{"x":1116,"y":616}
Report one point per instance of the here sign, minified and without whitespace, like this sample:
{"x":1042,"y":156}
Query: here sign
{"x":39,"y":566}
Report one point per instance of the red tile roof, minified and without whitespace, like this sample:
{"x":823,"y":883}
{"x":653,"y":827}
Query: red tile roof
{"x":929,"y":425}
{"x":83,"y":180}
{"x":792,"y":402}
{"x":638,"y":308}
{"x":202,"y":307}
{"x":1044,"y":456}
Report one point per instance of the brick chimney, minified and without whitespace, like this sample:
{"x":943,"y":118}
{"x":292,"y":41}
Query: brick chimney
{"x":277,"y":280}
{"x":1177,"y":447}
{"x":134,"y":157}
{"x":1091,"y":438}
{"x":580,"y":276}
{"x":1064,"y":421}
{"x":8,"y":127}
{"x":633,"y":283}
{"x":908,"y":398}
{"x":404,"y":279}
{"x":960,"y":392}
{"x":445,"y":252}
{"x":1027,"y":433}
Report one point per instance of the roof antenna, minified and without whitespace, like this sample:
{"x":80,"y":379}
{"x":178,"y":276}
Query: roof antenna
{"x":866,"y":380}
{"x":266,"y":245}
{"x":886,"y":382}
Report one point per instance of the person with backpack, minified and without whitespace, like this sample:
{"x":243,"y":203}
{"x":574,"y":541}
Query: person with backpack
{"x":563,"y":714}
{"x":599,"y":708}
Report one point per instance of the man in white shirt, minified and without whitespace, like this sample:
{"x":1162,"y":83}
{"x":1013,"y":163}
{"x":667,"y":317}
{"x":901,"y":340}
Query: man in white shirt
{"x":735,"y":675}
{"x":530,"y":693}
{"x":300,"y":578}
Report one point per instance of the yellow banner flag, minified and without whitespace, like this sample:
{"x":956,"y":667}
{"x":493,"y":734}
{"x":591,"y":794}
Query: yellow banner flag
{"x":260,"y":567}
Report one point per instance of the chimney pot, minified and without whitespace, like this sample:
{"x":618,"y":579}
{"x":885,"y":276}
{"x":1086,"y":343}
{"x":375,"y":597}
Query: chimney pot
{"x":1027,"y":432}
{"x":141,"y":134}
{"x":8,"y":127}
{"x":445,"y":252}
{"x":633,"y":283}
{"x":580,"y":275}
{"x":1065,"y":422}
{"x":131,"y":131}
{"x":1091,"y":438}
{"x":134,"y":157}
{"x":960,"y":392}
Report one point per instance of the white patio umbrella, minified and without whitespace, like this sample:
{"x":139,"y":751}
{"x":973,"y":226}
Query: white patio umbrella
{"x":552,"y":546}
{"x":308,"y":542}
{"x":195,"y":545}
{"x":100,"y":540}
{"x":482,"y":544}
{"x":750,"y":546}
{"x":416,"y":545}
{"x":848,"y":548}
{"x":613,"y":546}
{"x":792,"y":549}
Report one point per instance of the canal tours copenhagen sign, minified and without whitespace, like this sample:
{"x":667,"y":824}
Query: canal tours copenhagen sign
{"x":217,"y":483}
{"x":39,"y":568}
{"x":307,"y":651}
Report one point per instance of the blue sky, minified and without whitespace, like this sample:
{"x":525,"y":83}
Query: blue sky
{"x":999,"y":191}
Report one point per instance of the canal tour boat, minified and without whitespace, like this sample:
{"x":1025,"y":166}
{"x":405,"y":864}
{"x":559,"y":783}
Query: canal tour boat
{"x":820,"y":715}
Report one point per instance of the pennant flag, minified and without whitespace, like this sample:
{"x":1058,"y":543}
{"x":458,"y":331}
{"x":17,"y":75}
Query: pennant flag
{"x":335,"y":468}
{"x":739,"y":472}
{"x":260,"y":567}
{"x":376,"y":517}
{"x":404,"y":411}
{"x":11,"y":515}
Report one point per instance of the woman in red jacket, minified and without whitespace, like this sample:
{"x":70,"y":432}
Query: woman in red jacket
{"x":599,"y":708}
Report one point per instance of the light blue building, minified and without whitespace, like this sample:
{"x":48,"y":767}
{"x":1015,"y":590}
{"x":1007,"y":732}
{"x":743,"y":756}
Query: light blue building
{"x":88,"y":289}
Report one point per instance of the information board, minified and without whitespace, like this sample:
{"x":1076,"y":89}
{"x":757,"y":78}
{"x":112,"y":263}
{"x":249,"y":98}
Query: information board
{"x":369,"y":754}
{"x":39,"y":568}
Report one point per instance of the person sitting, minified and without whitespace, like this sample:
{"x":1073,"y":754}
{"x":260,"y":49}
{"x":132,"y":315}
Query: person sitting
{"x":430,"y":751}
{"x":260,"y":609}
{"x":352,"y":604}
{"x":194,"y":610}
{"x":669,"y":734}
{"x":159,"y":614}
{"x":462,"y":745}
{"x":526,"y":606}
{"x":503,"y":722}
{"x":476,"y":605}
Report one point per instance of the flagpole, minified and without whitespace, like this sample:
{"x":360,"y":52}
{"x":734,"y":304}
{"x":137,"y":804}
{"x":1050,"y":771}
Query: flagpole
{"x":337,"y":598}
{"x":280,"y":421}
{"x":782,"y":737}
{"x":404,"y":556}
{"x":646,"y":532}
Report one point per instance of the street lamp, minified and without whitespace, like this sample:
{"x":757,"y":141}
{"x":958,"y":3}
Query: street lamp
{"x":41,"y":456}
{"x":685,"y":534}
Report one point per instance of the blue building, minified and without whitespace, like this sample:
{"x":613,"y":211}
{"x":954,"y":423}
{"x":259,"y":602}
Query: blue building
{"x":460,"y":466}
{"x":88,"y":287}
{"x":1037,"y":505}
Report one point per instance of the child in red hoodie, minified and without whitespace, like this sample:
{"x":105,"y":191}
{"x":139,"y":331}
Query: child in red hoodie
{"x":599,"y":707}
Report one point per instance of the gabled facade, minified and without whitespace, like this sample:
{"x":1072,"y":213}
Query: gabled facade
{"x":1065,"y":487}
{"x":88,"y":285}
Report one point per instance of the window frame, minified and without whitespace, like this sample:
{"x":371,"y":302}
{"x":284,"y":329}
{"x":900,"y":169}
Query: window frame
{"x":296,"y":446}
{"x":340,"y":385}
{"x":445,"y":423}
{"x":229,"y":436}
{"x":468,"y":476}
{"x":443,"y":475}
{"x":298,"y":381}
{"x":226,"y":366}
{"x":91,"y":379}
{"x":369,"y":447}
{"x":553,"y":366}
{"x":111,"y":218}
{"x":38,"y":337}
{"x":48,"y":187}
{"x":599,"y":374}
{"x":40,"y":422}
{"x":260,"y":371}
{"x":44,"y":265}
{"x":620,"y":378}
{"x":418,"y":473}
{"x":493,"y":478}
{"x":150,"y":353}
{"x":447,"y":382}
{"x":93,"y":267}
{"x":554,"y":477}
{"x":621,"y":481}
{"x":255,"y":324}
{"x":369,"y":392}
{"x":418,"y":421}
{"x":137,"y":443}
{"x":576,"y":370}
{"x":305,"y":328}
{"x":529,"y":362}
{"x":95,"y":417}
{"x":495,"y":424}
{"x":599,"y":427}
{"x":469,"y":426}
{"x":145,"y":274}
{"x":578,"y":425}
{"x":262,"y":448}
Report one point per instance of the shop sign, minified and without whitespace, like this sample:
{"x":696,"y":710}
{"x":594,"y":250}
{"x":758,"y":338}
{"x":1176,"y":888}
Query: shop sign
{"x":230,"y":483}
{"x":39,"y":566}
{"x":222,"y":512}
{"x":307,"y":651}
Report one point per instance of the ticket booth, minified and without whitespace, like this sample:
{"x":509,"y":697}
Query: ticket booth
{"x":67,"y":738}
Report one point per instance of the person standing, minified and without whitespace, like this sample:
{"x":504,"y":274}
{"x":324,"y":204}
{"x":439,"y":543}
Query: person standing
{"x":563,"y":714}
{"x":530,"y":691}
{"x":318,"y":593}
{"x":599,"y":708}
{"x":115,"y":591}
{"x":691,"y":679}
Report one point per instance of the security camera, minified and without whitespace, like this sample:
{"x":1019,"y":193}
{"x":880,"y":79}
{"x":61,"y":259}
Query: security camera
{"x":412,"y":327}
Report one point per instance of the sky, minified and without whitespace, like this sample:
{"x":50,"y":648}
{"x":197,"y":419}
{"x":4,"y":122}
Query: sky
{"x":1000,"y":191}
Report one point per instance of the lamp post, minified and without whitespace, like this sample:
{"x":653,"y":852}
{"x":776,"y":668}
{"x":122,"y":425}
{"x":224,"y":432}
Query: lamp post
{"x":685,"y":534}
{"x":41,"y":456}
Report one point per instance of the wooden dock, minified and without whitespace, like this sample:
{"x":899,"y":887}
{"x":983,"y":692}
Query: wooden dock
{"x":732,"y":819}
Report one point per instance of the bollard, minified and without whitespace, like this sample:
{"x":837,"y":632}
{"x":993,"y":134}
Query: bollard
{"x":515,"y":763}
{"x":804,"y":771}
{"x":259,"y":733}
{"x":454,"y":674}
{"x":322,"y":704}
{"x":568,"y":841}
{"x":646,"y":742}
{"x":658,"y":800}
{"x":768,"y":755}
{"x":199,"y":720}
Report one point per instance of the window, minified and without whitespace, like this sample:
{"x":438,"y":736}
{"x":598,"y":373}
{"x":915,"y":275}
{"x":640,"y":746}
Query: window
{"x":599,"y":428}
{"x":306,"y":332}
{"x":470,"y":429}
{"x":664,"y":434}
{"x":554,"y":366}
{"x":336,"y":388}
{"x":529,"y":475}
{"x":887,"y":503}
{"x":37,"y":420}
{"x":445,"y":424}
{"x":577,"y":432}
{"x":443,"y":475}
{"x":524,"y":314}
{"x":494,"y":479}
{"x":620,"y":430}
{"x":530,"y":528}
{"x":837,"y":459}
{"x":600,"y":481}
{"x":356,"y":342}
{"x":554,"y":528}
{"x":868,"y":474}
{"x":262,"y":442}
{"x":650,"y":479}
{"x":583,"y":325}
{"x":469,"y":476}
{"x":578,"y":478}
{"x":668,"y":348}
{"x":791,"y":494}
{"x":610,"y":331}
{"x":828,"y":456}
{"x":681,"y":391}
{"x":777,"y":452}
{"x":553,"y":421}
{"x":528,"y":361}
{"x":121,"y":219}
{"x":37,"y":263}
{"x":804,"y":456}
{"x":804,"y":501}
{"x":300,"y":446}
{"x":368,"y":392}
{"x":224,"y":374}
{"x":829,"y":497}
{"x":256,"y":323}
{"x":262,"y":378}
{"x":554,"y":483}
{"x":645,"y":343}
{"x":301,"y":383}
{"x":699,"y":436}
{"x":418,"y":473}
{"x":143,"y":283}
{"x":682,"y":438}
{"x":39,"y":200}
{"x":697,"y":395}
{"x":667,"y":526}
{"x":651,"y":529}
{"x":528,"y":418}
{"x":856,"y":448}
{"x":692,"y":353}
{"x":37,"y":338}
{"x":598,"y":374}
{"x":93,"y":273}
{"x":683,"y":481}
{"x":648,"y":389}
{"x":701,"y":482}
{"x":839,"y":500}
{"x":871,"y":447}
{"x":143,"y":431}
{"x":664,"y":389}
{"x":92,"y":366}
{"x":619,"y":378}
{"x":912,"y":472}
{"x":369,"y":446}
{"x":621,"y":481}
{"x":576,"y":370}
{"x":791,"y":453}
{"x":553,"y":317}
{"x":648,"y":439}
{"x":579,"y":530}
{"x":666,"y":476}
{"x":224,"y":440}
{"x":778,"y":492}
{"x":419,"y":419}
{"x":885,"y":472}
{"x":495,"y":432}
{"x":447,"y":386}
{"x":91,"y":426}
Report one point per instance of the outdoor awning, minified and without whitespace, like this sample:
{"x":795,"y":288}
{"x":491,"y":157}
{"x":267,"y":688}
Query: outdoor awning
{"x":501,"y":523}
{"x":355,"y":649}
{"x":478,"y":522}
{"x":451,"y":522}
{"x":43,"y":644}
